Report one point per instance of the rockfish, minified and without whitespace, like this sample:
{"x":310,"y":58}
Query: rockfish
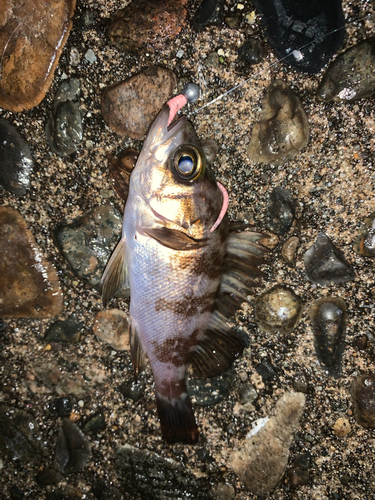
{"x":186,"y":271}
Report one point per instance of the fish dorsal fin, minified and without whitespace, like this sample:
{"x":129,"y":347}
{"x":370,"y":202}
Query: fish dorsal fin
{"x":174,"y":239}
{"x":221,"y":345}
{"x":115,"y":276}
{"x":136,"y":350}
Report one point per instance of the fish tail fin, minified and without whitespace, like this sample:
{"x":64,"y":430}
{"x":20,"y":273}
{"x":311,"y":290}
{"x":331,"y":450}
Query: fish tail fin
{"x":177,"y":419}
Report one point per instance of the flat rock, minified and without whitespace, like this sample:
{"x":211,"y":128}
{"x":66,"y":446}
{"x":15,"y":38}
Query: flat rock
{"x":29,"y":286}
{"x":16,"y":160}
{"x":88,"y":242}
{"x":148,"y":23}
{"x":262,"y":460}
{"x":326,"y":264}
{"x":283,"y":129}
{"x":129,"y":107}
{"x":73,"y":450}
{"x":363,"y":395}
{"x":32,"y":38}
{"x":351,"y":76}
{"x":111,"y":326}
{"x":304,"y":34}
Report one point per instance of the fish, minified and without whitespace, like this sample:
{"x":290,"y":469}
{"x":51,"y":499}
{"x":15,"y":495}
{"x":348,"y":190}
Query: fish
{"x":187,"y":268}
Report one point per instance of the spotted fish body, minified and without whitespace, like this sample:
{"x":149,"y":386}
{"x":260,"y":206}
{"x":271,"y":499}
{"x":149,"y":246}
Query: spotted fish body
{"x":171,"y":255}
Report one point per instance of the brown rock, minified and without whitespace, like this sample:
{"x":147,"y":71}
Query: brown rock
{"x":289,"y":249}
{"x":111,"y":326}
{"x":29,"y":286}
{"x":144,"y":22}
{"x":32,"y":37}
{"x":341,"y":427}
{"x":363,"y":396}
{"x":129,"y":107}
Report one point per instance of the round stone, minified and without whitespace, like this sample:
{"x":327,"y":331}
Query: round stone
{"x":191,"y":91}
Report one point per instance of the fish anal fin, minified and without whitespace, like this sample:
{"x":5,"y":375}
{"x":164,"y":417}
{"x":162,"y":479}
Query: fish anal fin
{"x":136,"y":350}
{"x":217,"y":350}
{"x":177,"y":419}
{"x":115,"y":276}
{"x":174,"y":239}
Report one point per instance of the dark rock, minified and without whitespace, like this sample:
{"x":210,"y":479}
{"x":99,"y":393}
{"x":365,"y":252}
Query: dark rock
{"x":212,"y":60}
{"x":328,"y":321}
{"x":210,"y":391}
{"x":61,"y":407}
{"x":351,"y":76}
{"x":302,"y":461}
{"x":363,"y":395}
{"x":365,"y":242}
{"x":120,"y":168}
{"x":68,"y":330}
{"x":48,"y":476}
{"x":251,"y":51}
{"x":266,"y":370}
{"x":209,"y":13}
{"x":16,"y":493}
{"x":298,"y":477}
{"x":29,"y":286}
{"x":283,"y":129}
{"x":19,"y":437}
{"x":16,"y":160}
{"x":111,"y":326}
{"x":247,"y":394}
{"x":325,"y":263}
{"x":148,"y":23}
{"x":129,"y":107}
{"x":281,"y":209}
{"x":361,"y":342}
{"x":64,"y":129}
{"x":72,"y":449}
{"x":278,"y":310}
{"x":134,"y":389}
{"x":88,"y":242}
{"x":289,"y":249}
{"x":31,"y":43}
{"x":304,"y":34}
{"x":95,"y":423}
{"x":300,"y":383}
{"x":203,"y":454}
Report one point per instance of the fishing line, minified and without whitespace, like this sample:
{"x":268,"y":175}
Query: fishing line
{"x":270,"y":66}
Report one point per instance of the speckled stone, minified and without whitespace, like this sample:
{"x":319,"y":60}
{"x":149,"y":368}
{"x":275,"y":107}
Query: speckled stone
{"x":29,"y":286}
{"x":210,"y":391}
{"x":87,"y":242}
{"x":363,"y":395}
{"x":278,"y":310}
{"x":341,"y":427}
{"x":129,"y":107}
{"x":283,"y":129}
{"x":31,"y":43}
{"x":111,"y":326}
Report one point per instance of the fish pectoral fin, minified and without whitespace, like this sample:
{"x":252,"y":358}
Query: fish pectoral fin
{"x":217,"y":350}
{"x":115,"y":276}
{"x":136,"y":350}
{"x":174,"y":239}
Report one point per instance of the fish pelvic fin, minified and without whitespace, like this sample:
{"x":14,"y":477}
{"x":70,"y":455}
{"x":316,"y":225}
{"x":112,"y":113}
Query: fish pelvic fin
{"x":115,"y":276}
{"x":177,"y":419}
{"x":136,"y":350}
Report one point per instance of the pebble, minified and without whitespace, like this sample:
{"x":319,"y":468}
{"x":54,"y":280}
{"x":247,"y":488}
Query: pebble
{"x":209,"y":13}
{"x":300,"y":382}
{"x":212,"y":60}
{"x":61,"y":407}
{"x":32,"y":40}
{"x":361,"y":342}
{"x":328,"y":322}
{"x":363,"y":395}
{"x":324,"y":263}
{"x":130,"y":106}
{"x":263,"y":457}
{"x":90,"y":56}
{"x":278,"y":310}
{"x":210,"y":391}
{"x":281,"y":210}
{"x":88,"y":241}
{"x":20,"y":437}
{"x":111,"y":326}
{"x":133,"y":389}
{"x":72,"y":450}
{"x":64,"y":129}
{"x":289,"y":249}
{"x":351,"y":76}
{"x":16,"y":160}
{"x":266,"y":370}
{"x":365,"y":243}
{"x":283,"y":129}
{"x":148,"y":23}
{"x":342,"y":427}
{"x":251,"y":51}
{"x":68,"y":330}
{"x":74,"y":57}
{"x":48,"y":476}
{"x":120,"y":168}
{"x":298,"y":477}
{"x":95,"y":423}
{"x":224,"y":491}
{"x":247,"y":394}
{"x":29,"y":286}
{"x":305,"y":35}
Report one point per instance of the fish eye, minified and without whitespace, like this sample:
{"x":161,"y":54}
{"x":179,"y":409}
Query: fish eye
{"x":187,"y":163}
